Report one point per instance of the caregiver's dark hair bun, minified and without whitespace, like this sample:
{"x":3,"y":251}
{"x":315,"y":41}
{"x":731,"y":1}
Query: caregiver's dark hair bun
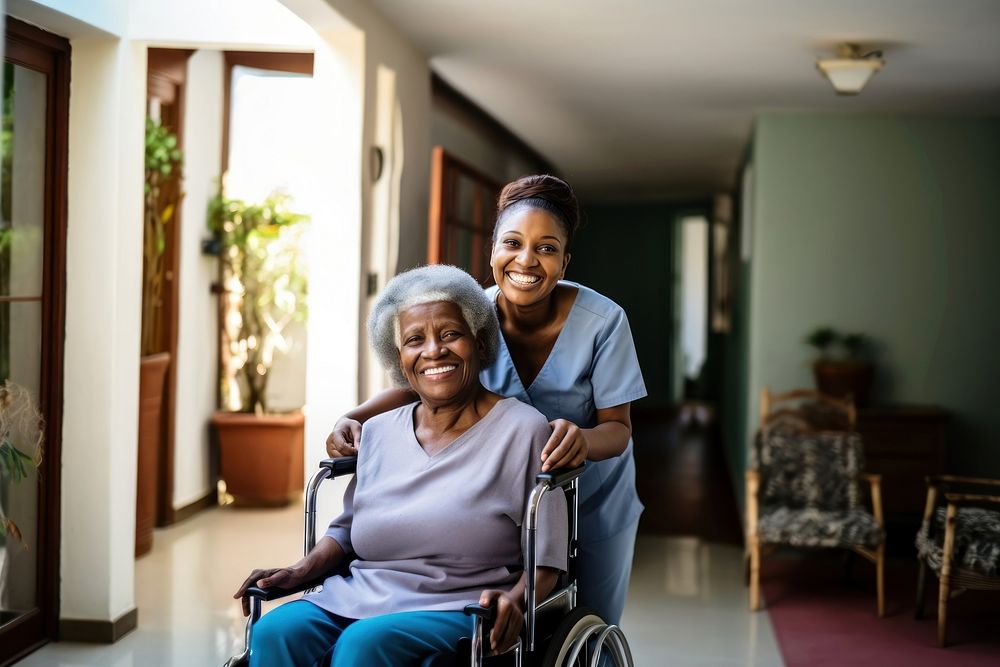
{"x":547,"y":193}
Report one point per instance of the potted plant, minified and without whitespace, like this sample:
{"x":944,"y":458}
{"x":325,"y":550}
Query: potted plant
{"x":161,"y":198}
{"x":842,"y":369}
{"x":264,"y":291}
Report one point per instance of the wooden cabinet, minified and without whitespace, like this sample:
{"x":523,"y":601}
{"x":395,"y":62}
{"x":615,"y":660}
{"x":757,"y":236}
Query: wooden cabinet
{"x":904,"y":444}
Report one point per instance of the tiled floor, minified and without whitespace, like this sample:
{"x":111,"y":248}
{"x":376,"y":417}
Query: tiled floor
{"x":686,"y":605}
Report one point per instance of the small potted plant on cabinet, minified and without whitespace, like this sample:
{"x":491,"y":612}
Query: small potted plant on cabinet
{"x":841,"y":369}
{"x":263,"y":292}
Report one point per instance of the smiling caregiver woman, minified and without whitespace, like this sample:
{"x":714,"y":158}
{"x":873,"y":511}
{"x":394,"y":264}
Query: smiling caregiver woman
{"x":567,"y":351}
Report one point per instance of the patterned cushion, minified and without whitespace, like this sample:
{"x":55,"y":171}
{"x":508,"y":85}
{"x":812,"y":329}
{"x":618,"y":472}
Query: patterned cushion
{"x":977,"y":541}
{"x":817,"y":528}
{"x":809,"y":470}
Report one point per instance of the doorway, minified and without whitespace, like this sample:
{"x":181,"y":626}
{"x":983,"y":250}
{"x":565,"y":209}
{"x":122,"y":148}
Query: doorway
{"x":165,"y":89}
{"x":691,"y":298}
{"x":32,"y":307}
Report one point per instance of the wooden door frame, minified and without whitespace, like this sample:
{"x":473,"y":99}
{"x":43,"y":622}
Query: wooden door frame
{"x":39,"y":50}
{"x":168,"y":67}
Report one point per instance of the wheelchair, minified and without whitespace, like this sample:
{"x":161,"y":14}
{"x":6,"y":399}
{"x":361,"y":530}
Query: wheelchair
{"x":556,"y":632}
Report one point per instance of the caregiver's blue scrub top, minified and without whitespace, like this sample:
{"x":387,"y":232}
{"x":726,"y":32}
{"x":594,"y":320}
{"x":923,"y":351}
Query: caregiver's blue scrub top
{"x":592,"y":365}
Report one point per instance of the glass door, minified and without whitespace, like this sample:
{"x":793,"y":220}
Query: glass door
{"x":32,"y":274}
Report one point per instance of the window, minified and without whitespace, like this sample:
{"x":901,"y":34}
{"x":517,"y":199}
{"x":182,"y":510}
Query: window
{"x":463,"y":201}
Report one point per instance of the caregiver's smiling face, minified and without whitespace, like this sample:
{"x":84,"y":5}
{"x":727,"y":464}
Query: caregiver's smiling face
{"x":529,"y":256}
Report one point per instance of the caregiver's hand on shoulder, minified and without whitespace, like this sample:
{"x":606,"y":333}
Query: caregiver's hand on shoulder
{"x":567,"y":446}
{"x":283,"y":577}
{"x":344,"y":439}
{"x":509,"y":619}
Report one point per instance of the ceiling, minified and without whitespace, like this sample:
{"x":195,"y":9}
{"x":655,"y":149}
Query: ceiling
{"x":657,"y":97}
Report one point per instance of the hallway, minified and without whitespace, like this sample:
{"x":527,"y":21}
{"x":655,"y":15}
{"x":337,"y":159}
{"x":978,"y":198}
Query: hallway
{"x":681,"y":474}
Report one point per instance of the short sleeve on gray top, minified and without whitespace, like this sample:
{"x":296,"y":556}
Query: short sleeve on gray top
{"x":432,"y":532}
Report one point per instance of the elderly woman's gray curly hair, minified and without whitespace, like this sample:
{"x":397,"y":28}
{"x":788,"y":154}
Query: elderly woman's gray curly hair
{"x":437,"y":282}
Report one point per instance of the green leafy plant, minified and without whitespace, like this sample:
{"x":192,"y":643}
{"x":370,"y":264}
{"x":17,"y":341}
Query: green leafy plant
{"x":831,"y":343}
{"x":162,"y":197}
{"x":20,"y":424}
{"x":264,"y":282}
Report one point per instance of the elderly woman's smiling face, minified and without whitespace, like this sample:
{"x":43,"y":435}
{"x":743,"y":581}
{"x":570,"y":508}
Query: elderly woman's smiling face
{"x":438,"y":353}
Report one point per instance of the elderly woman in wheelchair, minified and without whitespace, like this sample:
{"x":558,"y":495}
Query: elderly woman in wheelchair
{"x":433,"y":515}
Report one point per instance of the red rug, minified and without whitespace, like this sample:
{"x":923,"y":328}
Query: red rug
{"x":821,"y":618}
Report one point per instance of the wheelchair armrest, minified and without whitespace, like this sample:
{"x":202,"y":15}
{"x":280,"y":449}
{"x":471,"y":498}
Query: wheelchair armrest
{"x":345,"y":465}
{"x":275,"y":592}
{"x":488,"y":614}
{"x":559,"y":476}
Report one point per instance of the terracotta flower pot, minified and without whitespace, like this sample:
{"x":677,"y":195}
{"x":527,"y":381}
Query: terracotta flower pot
{"x":843,"y":378}
{"x":261,"y":457}
{"x":152,"y":378}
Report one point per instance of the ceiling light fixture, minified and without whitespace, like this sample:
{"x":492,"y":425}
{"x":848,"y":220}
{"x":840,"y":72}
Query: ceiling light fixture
{"x":850,"y":70}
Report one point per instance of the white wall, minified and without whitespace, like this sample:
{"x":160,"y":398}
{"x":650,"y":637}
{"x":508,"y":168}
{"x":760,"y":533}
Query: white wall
{"x":463,"y":137}
{"x":385,"y":46}
{"x":380,"y":237}
{"x":103,"y":276}
{"x":335,"y":260}
{"x":197,"y":320}
{"x":332,"y":376}
{"x":73,"y":18}
{"x":223,"y":24}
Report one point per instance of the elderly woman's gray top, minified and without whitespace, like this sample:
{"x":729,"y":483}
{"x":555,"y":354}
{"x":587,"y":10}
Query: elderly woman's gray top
{"x":432,"y":532}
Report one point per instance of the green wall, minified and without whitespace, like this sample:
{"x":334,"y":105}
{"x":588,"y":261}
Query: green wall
{"x":888,"y":225}
{"x":624,"y":251}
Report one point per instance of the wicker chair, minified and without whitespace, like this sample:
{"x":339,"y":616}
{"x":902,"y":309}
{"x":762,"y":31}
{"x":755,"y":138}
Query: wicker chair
{"x":959,"y":541}
{"x":802,"y":486}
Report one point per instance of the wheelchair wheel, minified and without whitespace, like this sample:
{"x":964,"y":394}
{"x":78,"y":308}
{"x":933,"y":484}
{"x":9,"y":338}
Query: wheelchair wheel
{"x":573,"y":640}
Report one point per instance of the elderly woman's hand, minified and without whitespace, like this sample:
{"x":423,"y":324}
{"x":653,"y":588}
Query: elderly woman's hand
{"x":344,"y":439}
{"x":567,"y":446}
{"x":283,"y":577}
{"x":509,"y":619}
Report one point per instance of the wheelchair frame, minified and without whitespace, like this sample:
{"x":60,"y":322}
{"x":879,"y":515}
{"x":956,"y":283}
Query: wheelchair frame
{"x":590,"y":628}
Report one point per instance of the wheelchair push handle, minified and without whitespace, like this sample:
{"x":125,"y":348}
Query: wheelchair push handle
{"x":328,"y":469}
{"x":545,"y":481}
{"x":559,"y":477}
{"x":344,"y":465}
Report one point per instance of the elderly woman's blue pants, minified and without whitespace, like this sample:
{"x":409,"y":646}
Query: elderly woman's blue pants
{"x":301,"y":634}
